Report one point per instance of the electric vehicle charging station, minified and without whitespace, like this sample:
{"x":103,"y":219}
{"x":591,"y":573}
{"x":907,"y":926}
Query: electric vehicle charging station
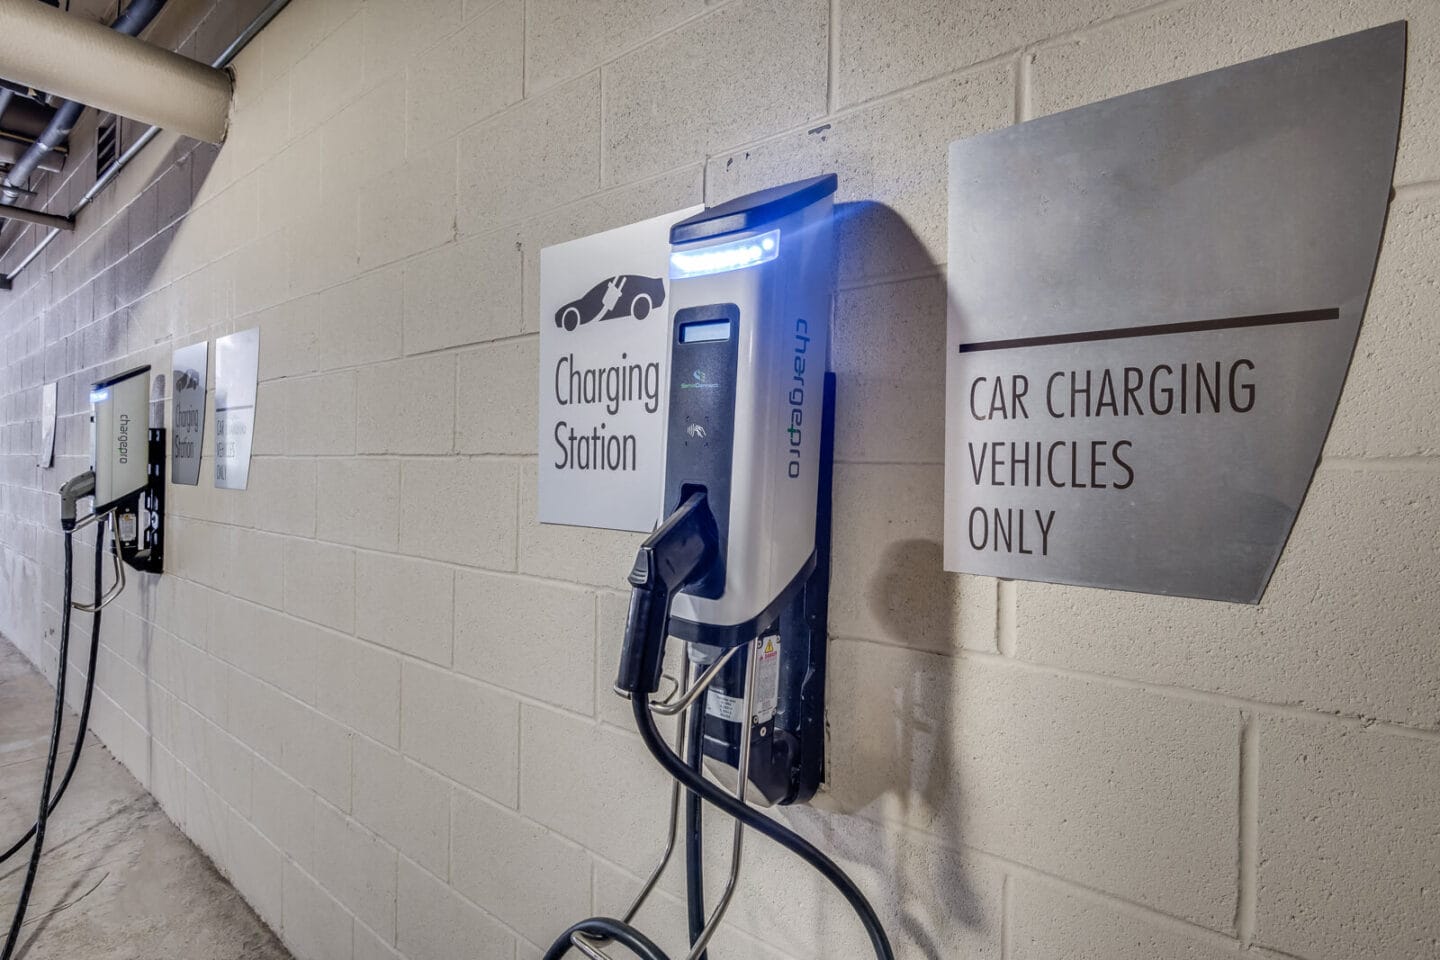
{"x":739,"y":568}
{"x":126,"y":483}
{"x":762,"y":454}
{"x":128,"y":457}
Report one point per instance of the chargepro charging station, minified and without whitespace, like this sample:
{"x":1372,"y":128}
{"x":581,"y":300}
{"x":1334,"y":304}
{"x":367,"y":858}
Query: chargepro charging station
{"x":756,"y":438}
{"x":128,"y":457}
{"x":126,"y":482}
{"x":739,"y":568}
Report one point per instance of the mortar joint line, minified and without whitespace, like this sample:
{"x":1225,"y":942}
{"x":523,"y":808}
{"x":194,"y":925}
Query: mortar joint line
{"x":832,"y":31}
{"x":1022,"y":84}
{"x":1246,"y":906}
{"x":1006,"y":614}
{"x":600,"y":129}
{"x":1005,"y":917}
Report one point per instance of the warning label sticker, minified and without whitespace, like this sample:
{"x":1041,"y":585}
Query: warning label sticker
{"x":767,"y":679}
{"x":767,"y":688}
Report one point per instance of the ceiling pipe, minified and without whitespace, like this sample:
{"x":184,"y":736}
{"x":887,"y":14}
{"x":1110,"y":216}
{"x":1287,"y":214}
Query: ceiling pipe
{"x":89,"y":63}
{"x":27,"y":118}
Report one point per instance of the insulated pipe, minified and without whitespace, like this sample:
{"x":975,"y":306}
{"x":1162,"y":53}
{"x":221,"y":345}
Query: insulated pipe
{"x":92,"y":64}
{"x":261,"y":21}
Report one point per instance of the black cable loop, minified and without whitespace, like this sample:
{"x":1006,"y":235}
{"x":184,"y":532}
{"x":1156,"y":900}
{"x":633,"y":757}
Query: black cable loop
{"x":607,"y":927}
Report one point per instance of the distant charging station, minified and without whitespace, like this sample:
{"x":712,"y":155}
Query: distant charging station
{"x":128,"y":457}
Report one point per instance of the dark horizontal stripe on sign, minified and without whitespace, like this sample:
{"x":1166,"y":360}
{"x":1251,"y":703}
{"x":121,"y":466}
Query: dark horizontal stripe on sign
{"x":1157,"y":330}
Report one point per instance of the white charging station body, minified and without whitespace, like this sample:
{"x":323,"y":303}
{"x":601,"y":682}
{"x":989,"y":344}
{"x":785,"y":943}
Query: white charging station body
{"x":120,"y":443}
{"x":772,"y":317}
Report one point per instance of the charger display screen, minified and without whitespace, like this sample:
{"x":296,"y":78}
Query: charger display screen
{"x":705,"y":331}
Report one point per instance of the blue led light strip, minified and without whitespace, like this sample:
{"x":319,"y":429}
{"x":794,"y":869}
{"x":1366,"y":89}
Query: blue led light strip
{"x":721,"y":257}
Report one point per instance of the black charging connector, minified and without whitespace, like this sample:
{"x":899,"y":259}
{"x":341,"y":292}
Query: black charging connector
{"x":678,"y":553}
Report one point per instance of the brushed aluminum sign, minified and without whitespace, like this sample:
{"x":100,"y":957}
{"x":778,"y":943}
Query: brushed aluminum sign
{"x":49,"y":396}
{"x":237,"y":362}
{"x":1153,"y":304}
{"x":188,"y":368}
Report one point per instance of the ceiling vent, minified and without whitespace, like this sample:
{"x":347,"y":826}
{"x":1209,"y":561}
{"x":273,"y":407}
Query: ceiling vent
{"x":107,"y":144}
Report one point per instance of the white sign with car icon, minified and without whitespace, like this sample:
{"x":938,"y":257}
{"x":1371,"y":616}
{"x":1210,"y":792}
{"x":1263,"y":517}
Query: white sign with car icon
{"x":604,"y":337}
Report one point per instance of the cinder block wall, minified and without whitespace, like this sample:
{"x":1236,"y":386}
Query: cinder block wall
{"x":375,"y":691}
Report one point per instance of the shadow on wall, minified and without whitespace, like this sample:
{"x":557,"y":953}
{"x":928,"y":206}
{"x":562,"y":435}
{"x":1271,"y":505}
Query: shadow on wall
{"x":906,"y":764}
{"x":891,"y":721}
{"x":200,"y":159}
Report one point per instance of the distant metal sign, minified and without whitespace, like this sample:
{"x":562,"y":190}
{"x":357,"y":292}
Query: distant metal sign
{"x":49,"y":394}
{"x":237,"y":362}
{"x":187,"y":393}
{"x":1153,"y":304}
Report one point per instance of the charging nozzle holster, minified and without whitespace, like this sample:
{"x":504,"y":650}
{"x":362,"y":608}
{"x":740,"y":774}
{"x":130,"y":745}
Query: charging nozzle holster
{"x":677,"y":554}
{"x":72,"y":491}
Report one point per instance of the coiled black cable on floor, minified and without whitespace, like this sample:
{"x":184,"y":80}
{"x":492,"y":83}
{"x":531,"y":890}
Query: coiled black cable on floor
{"x":762,"y":824}
{"x":43,"y":816}
{"x":607,"y":927}
{"x":19,"y":845}
{"x":694,"y":826}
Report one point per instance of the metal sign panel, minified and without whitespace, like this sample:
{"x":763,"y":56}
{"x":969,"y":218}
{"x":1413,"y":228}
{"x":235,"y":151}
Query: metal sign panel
{"x":187,"y":385}
{"x":604,"y":329}
{"x":49,"y":394}
{"x":1153,"y":303}
{"x":237,"y":361}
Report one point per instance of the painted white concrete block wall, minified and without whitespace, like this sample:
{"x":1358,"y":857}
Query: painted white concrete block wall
{"x":375,"y":690}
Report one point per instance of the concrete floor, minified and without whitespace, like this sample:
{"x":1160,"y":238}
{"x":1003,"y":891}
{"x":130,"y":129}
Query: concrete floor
{"x":117,"y":880}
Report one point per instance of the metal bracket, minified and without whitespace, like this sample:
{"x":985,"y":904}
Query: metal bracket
{"x":119,"y":585}
{"x":591,"y":946}
{"x":143,"y":547}
{"x":39,"y":217}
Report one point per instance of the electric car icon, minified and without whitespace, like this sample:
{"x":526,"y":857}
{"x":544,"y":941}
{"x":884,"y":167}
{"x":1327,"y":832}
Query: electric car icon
{"x":627,"y":295}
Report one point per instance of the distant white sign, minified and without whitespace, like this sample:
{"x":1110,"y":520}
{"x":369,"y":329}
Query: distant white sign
{"x":604,"y":329}
{"x":187,"y":374}
{"x":237,"y":361}
{"x":48,"y":405}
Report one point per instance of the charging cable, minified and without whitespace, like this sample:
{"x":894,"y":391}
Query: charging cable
{"x":676,"y":555}
{"x":72,"y":491}
{"x":19,"y":844}
{"x":44,"y":815}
